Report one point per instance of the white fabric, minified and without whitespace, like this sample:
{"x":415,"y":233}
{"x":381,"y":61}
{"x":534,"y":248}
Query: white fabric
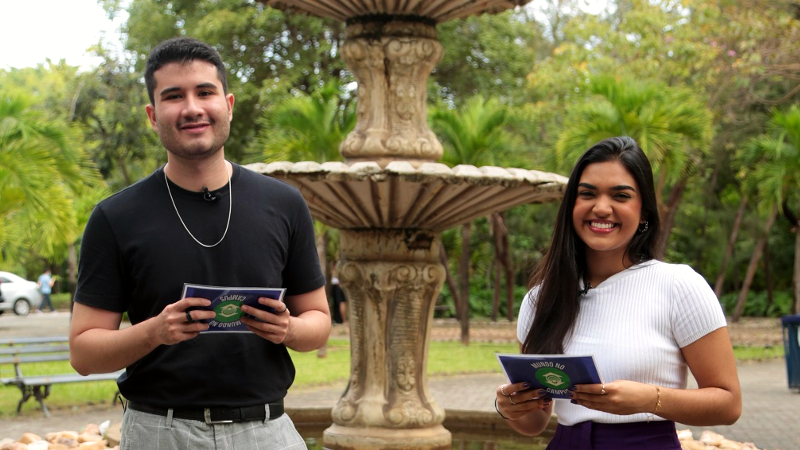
{"x":635,"y":324}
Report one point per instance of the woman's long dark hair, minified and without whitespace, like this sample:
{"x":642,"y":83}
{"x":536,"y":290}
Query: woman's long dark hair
{"x":558,"y":273}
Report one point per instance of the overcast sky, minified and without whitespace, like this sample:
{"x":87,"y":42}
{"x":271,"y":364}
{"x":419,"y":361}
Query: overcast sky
{"x":33,"y":30}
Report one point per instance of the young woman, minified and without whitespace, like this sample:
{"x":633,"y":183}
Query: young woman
{"x":599,"y":290}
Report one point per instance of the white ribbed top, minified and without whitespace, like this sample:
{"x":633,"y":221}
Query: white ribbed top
{"x":634,"y":324}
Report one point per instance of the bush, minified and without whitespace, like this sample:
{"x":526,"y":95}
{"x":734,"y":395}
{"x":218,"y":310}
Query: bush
{"x":757,"y":304}
{"x":61,"y":301}
{"x":480,"y":301}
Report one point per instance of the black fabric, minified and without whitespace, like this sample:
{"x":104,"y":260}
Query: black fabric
{"x":136,"y":257}
{"x":338,"y":298}
{"x":256,"y":412}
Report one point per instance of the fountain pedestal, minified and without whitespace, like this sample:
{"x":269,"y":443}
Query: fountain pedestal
{"x":390,"y":201}
{"x":392,"y":278}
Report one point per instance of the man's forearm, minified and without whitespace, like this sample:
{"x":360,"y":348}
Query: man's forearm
{"x":99,"y":350}
{"x":308,"y":331}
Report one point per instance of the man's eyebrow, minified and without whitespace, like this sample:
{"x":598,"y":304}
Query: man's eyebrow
{"x":169,"y":90}
{"x":199,"y":86}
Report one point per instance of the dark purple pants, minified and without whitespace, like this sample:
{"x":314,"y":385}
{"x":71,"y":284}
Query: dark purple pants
{"x":656,"y":435}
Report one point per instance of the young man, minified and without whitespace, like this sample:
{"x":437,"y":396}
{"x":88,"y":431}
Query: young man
{"x":202,"y":220}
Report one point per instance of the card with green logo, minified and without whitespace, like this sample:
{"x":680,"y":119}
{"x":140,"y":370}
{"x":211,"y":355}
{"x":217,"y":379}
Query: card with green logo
{"x":227,"y":303}
{"x":553,"y":373}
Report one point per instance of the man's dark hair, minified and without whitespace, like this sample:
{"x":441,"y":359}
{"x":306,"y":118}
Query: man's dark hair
{"x":181,"y":50}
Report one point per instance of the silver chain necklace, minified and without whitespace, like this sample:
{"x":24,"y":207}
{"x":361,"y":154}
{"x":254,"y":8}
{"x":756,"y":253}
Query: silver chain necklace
{"x":230,"y":208}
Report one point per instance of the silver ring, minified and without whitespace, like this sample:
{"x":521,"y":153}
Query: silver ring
{"x":503,"y":390}
{"x":511,"y":399}
{"x":283,"y":310}
{"x":603,"y":390}
{"x":189,"y":317}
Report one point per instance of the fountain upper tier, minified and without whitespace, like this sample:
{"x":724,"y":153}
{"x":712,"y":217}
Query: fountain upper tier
{"x":437,"y":10}
{"x":430,"y":197}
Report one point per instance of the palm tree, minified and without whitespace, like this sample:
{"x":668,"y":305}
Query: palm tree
{"x":308,"y":127}
{"x":773,"y":161}
{"x":476,"y":135}
{"x":41,"y":176}
{"x":671,"y":125}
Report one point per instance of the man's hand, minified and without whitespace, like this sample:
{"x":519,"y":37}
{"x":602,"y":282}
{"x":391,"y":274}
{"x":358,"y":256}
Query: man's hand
{"x":173,"y":325}
{"x":272,"y":326}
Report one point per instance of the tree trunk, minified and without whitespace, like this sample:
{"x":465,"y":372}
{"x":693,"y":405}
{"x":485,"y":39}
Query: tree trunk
{"x":497,"y":227}
{"x":701,"y":253}
{"x":451,"y":283}
{"x":751,"y":268}
{"x":509,"y":268}
{"x":668,"y":217}
{"x":463,"y":278}
{"x":737,"y":223}
{"x":768,"y":279}
{"x":123,"y":168}
{"x":498,"y":286}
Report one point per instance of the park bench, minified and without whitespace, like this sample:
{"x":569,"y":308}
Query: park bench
{"x":19,"y":351}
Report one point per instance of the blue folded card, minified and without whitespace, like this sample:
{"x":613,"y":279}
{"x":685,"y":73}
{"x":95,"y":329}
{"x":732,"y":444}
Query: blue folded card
{"x":227,"y":303}
{"x":553,"y":373}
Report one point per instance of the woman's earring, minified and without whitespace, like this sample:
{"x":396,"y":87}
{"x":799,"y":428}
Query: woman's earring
{"x":643,"y":227}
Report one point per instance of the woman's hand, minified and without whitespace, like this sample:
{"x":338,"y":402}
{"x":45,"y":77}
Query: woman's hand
{"x":619,"y":397}
{"x":515,"y":401}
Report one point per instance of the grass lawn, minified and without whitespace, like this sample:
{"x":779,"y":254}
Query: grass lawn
{"x":444,"y":358}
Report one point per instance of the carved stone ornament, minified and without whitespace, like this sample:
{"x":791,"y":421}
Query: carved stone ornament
{"x":391,"y":283}
{"x":392,"y":62}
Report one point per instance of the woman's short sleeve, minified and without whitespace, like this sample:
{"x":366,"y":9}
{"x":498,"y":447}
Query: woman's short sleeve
{"x":526,"y":311}
{"x":695,"y":309}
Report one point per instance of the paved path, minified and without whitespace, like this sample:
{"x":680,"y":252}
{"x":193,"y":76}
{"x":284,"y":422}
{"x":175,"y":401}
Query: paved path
{"x":769,"y":419}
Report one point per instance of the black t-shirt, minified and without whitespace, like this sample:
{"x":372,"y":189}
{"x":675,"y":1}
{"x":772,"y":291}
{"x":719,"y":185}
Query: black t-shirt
{"x":136,"y":257}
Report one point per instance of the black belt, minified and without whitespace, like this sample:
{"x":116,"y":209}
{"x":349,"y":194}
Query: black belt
{"x":215,"y":415}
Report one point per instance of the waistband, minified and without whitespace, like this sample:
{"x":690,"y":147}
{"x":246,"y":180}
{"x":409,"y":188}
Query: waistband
{"x":658,"y":434}
{"x":216,"y":415}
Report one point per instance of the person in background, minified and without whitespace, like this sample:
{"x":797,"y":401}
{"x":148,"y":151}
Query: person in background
{"x":45,"y":284}
{"x":199,"y":219}
{"x":339,"y":301}
{"x":600,"y":290}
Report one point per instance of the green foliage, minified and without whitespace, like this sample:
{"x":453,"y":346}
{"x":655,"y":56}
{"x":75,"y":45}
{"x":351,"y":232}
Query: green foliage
{"x":771,"y":162}
{"x":116,"y":129}
{"x":669,"y":123}
{"x":758,"y":304}
{"x":480,"y":46}
{"x":306,"y":127}
{"x":43,"y":173}
{"x":480,"y":299}
{"x":475,"y":133}
{"x":61,"y":301}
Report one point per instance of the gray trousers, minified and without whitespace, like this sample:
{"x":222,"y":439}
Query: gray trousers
{"x":144,"y":431}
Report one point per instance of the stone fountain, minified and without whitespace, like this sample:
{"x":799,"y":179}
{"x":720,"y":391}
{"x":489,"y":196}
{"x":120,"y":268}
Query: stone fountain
{"x":391,"y":201}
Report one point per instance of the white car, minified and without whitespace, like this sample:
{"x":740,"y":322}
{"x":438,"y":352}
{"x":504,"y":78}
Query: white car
{"x":18,"y":294}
